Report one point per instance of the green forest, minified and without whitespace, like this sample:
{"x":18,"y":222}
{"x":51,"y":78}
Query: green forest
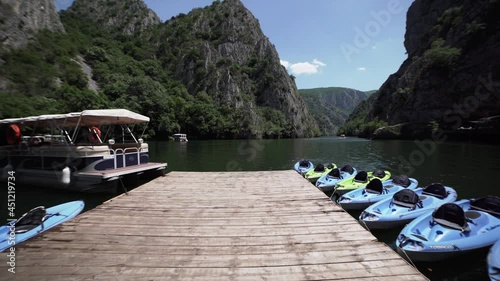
{"x":131,"y":72}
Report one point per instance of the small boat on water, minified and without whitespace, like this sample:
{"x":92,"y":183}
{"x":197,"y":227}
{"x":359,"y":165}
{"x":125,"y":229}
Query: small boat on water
{"x":36,"y":221}
{"x":406,"y":205}
{"x":451,"y":230}
{"x":88,"y":151}
{"x":303,"y":166}
{"x":494,"y":262}
{"x":180,"y":137}
{"x":327,"y":182}
{"x":375,"y":191}
{"x":360,"y":181}
{"x":318,"y":171}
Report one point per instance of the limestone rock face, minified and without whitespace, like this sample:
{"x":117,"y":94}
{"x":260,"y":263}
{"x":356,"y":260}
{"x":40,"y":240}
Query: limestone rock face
{"x":20,"y":20}
{"x":125,"y":16}
{"x":452,"y":74}
{"x":221,"y":50}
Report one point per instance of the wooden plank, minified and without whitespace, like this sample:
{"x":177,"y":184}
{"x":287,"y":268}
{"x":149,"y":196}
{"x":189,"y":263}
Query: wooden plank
{"x":212,"y":226}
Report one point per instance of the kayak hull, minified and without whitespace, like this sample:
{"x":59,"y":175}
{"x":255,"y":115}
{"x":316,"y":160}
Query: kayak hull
{"x":494,"y":262}
{"x":327,"y":183}
{"x":385,"y":214}
{"x":351,"y":184}
{"x":54,"y":216}
{"x":359,"y":199}
{"x":424,"y":240}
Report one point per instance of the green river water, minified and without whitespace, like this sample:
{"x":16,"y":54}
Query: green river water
{"x":472,"y":169}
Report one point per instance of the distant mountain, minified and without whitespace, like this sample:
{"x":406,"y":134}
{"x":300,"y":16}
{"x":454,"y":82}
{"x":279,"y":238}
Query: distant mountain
{"x":330,"y":107}
{"x":449,"y":82}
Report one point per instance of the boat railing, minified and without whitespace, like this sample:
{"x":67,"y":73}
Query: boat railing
{"x":122,"y":152}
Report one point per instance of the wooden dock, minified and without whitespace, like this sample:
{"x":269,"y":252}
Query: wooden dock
{"x":271,"y":225}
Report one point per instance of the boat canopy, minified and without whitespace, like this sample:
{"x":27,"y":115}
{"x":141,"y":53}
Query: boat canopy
{"x":95,"y":117}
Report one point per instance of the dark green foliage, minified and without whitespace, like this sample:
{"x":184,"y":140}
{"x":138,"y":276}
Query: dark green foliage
{"x":138,"y":73}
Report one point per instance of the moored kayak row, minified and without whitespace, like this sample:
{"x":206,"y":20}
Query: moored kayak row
{"x":437,"y":226}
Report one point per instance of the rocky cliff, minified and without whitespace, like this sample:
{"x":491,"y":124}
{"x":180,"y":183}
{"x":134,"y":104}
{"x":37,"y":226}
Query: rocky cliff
{"x":331,"y":107}
{"x":221,"y":50}
{"x":211,"y":73}
{"x":20,"y":20}
{"x":125,"y":16}
{"x":452,"y":73}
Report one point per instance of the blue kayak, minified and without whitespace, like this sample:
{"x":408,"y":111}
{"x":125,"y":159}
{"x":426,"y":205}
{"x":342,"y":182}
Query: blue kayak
{"x":303,"y":166}
{"x":494,"y":262}
{"x":36,"y":221}
{"x":327,"y":182}
{"x":375,"y":191}
{"x":451,"y":230}
{"x":406,"y":205}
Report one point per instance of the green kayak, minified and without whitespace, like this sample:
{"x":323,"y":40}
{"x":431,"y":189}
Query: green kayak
{"x":320,"y":169}
{"x":360,"y":181}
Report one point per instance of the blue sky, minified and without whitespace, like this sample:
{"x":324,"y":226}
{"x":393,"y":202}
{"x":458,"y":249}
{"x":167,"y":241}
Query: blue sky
{"x":323,"y":43}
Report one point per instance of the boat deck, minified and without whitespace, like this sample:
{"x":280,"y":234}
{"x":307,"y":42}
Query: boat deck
{"x":106,"y":174}
{"x":271,"y":225}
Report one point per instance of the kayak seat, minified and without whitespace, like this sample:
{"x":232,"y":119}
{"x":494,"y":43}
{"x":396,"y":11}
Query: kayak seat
{"x":402,"y":180}
{"x":347,"y":169}
{"x":406,"y":198}
{"x":329,"y":166}
{"x":378,"y":173}
{"x":375,"y":186}
{"x":319,"y":168}
{"x":30,"y":220}
{"x":488,"y":204}
{"x":361,"y":177}
{"x":304,"y":163}
{"x":335,"y":173}
{"x":437,"y":190}
{"x":450,"y":215}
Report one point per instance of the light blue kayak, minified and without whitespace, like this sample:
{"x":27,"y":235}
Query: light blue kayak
{"x":494,"y":262}
{"x":406,"y":205}
{"x":36,"y":221}
{"x":327,"y":182}
{"x":451,"y":230}
{"x":303,"y":166}
{"x":375,"y":191}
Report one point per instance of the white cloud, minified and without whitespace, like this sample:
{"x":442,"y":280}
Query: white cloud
{"x":285,"y":63}
{"x":317,"y":62}
{"x":361,"y":68}
{"x":303,"y":67}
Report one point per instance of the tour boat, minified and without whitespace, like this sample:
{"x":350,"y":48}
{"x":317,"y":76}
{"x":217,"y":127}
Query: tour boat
{"x":88,"y":151}
{"x":180,"y":137}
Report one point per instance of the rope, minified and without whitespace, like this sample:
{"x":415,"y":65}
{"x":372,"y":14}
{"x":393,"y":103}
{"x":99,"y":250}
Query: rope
{"x":123,"y":186}
{"x":407,"y":257}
